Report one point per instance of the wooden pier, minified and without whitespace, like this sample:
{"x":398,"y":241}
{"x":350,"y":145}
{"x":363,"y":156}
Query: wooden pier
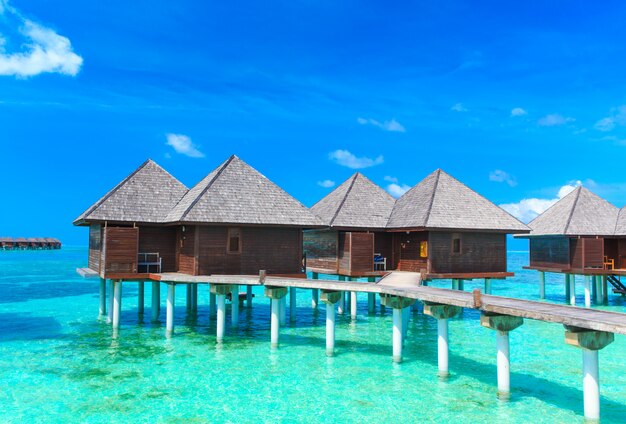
{"x":21,"y":243}
{"x":588,"y":329}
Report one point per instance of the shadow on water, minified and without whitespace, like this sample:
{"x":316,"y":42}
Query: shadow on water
{"x":14,"y":293}
{"x":27,"y":327}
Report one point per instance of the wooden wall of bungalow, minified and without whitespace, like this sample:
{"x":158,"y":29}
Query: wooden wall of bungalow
{"x":434,"y":252}
{"x":577,"y":253}
{"x":196,"y":250}
{"x":211,"y":249}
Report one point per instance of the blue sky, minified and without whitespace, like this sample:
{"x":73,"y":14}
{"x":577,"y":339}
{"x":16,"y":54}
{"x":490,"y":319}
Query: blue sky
{"x":519,"y":101}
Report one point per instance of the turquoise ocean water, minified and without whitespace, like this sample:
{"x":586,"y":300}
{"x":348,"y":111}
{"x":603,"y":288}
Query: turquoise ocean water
{"x":59,"y":363}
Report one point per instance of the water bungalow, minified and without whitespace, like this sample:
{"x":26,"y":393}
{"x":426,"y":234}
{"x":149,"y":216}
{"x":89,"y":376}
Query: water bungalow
{"x":581,"y":234}
{"x":439,"y":228}
{"x":234,"y":221}
{"x":355,"y":242}
{"x":9,"y":243}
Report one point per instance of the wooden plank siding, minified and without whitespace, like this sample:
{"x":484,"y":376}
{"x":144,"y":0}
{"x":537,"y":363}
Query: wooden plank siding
{"x":185,"y":250}
{"x":594,"y":252}
{"x":550,"y":252}
{"x":161,"y":240}
{"x":407,"y":248}
{"x":120,"y":249}
{"x":321,"y":251}
{"x":95,"y":247}
{"x":361,"y":253}
{"x":343,"y":253}
{"x":480,"y":252}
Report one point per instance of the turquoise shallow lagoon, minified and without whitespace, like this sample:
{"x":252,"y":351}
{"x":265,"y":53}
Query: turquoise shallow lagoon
{"x":58,"y":363}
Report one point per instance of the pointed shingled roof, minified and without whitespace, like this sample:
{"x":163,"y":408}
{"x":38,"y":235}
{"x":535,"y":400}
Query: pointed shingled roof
{"x":440,"y":201}
{"x":579,"y":213}
{"x":356,"y":203}
{"x":146,"y":195}
{"x":620,"y":226}
{"x":236,"y":193}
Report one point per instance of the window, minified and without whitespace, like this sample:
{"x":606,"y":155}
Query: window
{"x":234,"y":240}
{"x":456,"y":245}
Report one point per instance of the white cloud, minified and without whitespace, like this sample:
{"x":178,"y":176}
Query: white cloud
{"x":617,"y":117}
{"x":43,"y":50}
{"x":554,"y":120}
{"x":518,"y":111}
{"x":500,"y":176}
{"x":528,"y":209}
{"x":397,"y":190}
{"x":183,"y":145}
{"x":390,"y":179}
{"x":326,"y":183}
{"x":458,"y":107}
{"x":345,"y":158}
{"x":392,"y":125}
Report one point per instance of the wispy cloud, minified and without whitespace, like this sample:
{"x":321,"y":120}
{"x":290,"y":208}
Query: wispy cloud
{"x":617,"y":117}
{"x":554,"y":120}
{"x":395,"y":188}
{"x":500,"y":176}
{"x":528,"y":209}
{"x":326,"y":183}
{"x":43,"y":50}
{"x":518,"y":111}
{"x":345,"y":158}
{"x":183,"y":145}
{"x":458,"y":107}
{"x":391,"y":125}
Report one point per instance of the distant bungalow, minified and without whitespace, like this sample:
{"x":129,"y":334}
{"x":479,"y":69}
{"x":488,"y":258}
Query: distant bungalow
{"x":234,"y":221}
{"x":581,"y":234}
{"x":21,"y":243}
{"x":440,"y":228}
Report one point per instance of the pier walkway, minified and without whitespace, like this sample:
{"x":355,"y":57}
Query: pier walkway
{"x":588,"y":329}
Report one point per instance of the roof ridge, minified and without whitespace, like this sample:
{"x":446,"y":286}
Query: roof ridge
{"x":115,"y":189}
{"x":571,"y":214}
{"x":619,"y":213}
{"x":432,"y":199}
{"x":205,"y":189}
{"x":343,"y":201}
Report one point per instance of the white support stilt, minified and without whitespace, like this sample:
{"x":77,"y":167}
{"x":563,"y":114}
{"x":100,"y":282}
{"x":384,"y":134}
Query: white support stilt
{"x":455,"y":284}
{"x":283,"y":311}
{"x":542,"y":285}
{"x":397,"y":335}
{"x":599,"y":294}
{"x":315,"y":298}
{"x":504,"y":364}
{"x":487,"y":285}
{"x":194,"y":297}
{"x":587,"y":291}
{"x":353,"y":305}
{"x":275,"y":322}
{"x":110,"y":313}
{"x":330,"y":329}
{"x":212,"y":304}
{"x":249,"y":296}
{"x":156,"y":300}
{"x":117,"y":303}
{"x":103,"y":298}
{"x":171,"y":302}
{"x":234,"y":306}
{"x":591,"y":385}
{"x":442,"y":346}
{"x":221,"y":317}
{"x":342,"y":304}
{"x":567,"y":287}
{"x":371,"y":303}
{"x":572,"y":289}
{"x":140,"y":297}
{"x":292,"y":304}
{"x":188,"y":296}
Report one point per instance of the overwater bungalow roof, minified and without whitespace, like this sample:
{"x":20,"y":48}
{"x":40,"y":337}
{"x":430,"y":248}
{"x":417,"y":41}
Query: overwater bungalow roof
{"x":440,"y":201}
{"x":146,"y":196}
{"x":236,"y":193}
{"x":579,"y":213}
{"x":356,"y":203}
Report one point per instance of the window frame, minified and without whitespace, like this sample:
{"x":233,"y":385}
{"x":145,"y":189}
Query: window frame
{"x":453,"y":251}
{"x":229,"y":236}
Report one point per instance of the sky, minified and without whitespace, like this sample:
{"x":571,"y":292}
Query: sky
{"x":521,"y":102}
